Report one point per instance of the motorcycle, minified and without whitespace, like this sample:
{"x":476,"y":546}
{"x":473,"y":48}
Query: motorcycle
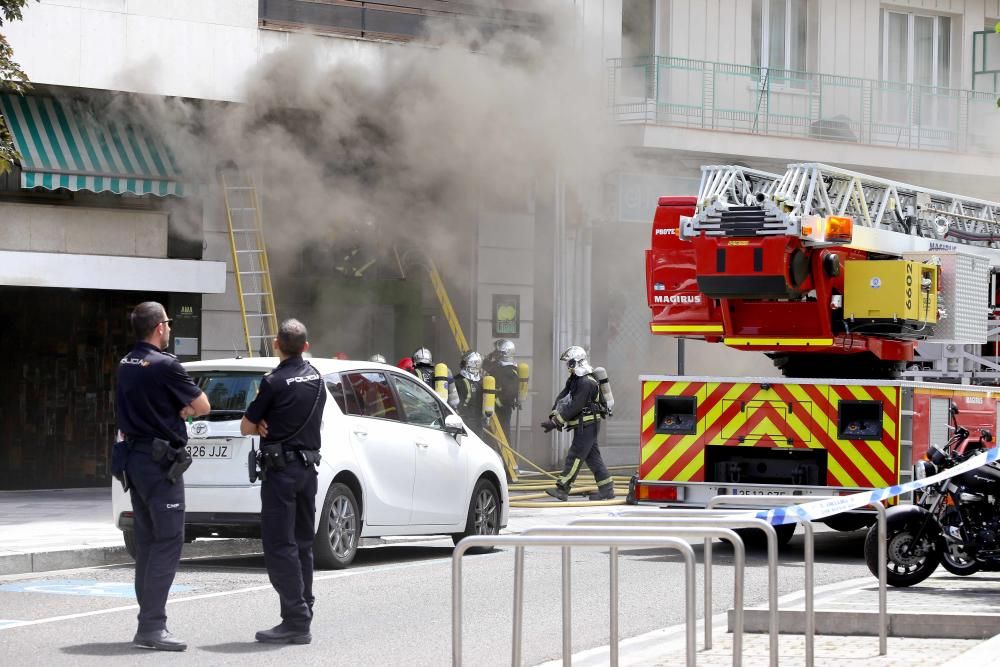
{"x":954,"y":523}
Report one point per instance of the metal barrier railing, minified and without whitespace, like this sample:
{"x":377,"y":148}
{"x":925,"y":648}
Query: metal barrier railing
{"x":681,"y":518}
{"x":566,"y":542}
{"x":810,"y":634}
{"x":683,"y":92}
{"x":690,"y":530}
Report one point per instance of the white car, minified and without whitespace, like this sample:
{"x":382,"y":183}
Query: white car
{"x":396,"y":460}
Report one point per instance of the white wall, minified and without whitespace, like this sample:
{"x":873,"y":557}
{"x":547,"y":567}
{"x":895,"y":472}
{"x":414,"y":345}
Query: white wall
{"x":85,"y":231}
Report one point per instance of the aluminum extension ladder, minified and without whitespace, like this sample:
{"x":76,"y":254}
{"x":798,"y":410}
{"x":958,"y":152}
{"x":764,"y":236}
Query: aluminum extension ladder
{"x":250,"y":265}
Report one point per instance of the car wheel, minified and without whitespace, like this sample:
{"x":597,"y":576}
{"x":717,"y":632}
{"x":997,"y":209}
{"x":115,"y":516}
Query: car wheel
{"x":129,"y":536}
{"x":484,"y":514}
{"x":339,"y":528}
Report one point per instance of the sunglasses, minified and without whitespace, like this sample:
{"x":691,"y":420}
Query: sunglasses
{"x":169,"y":323}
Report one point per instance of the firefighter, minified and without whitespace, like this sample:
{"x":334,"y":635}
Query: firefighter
{"x":579,"y":408}
{"x":469,"y":385}
{"x":423,"y":368}
{"x":500,"y":364}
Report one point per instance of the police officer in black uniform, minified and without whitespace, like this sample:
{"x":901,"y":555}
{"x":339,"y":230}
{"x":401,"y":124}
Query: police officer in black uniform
{"x":580,"y":408}
{"x":153,"y":398}
{"x":287,"y":413}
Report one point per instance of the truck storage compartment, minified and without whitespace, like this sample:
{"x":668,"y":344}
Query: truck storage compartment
{"x":759,"y":465}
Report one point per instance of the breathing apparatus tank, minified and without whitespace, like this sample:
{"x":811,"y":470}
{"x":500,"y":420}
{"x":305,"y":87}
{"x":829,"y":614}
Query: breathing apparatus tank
{"x":441,"y":381}
{"x":523,"y":375}
{"x":489,"y":395}
{"x":601,"y":375}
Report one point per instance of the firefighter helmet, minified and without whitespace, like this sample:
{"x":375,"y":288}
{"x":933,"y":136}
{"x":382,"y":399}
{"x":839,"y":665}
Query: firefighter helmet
{"x":472,"y":366}
{"x":377,"y":358}
{"x":576,"y":360}
{"x":422,"y":357}
{"x":504,"y":351}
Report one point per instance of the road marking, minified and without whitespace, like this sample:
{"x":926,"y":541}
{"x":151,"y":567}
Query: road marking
{"x":80,"y":587}
{"x":6,"y":624}
{"x":240,"y":591}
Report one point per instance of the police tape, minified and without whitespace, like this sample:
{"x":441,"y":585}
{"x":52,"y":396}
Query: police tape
{"x":820,"y":509}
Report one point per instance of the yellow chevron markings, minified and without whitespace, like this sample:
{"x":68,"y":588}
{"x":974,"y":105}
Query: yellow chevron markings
{"x":685,"y":443}
{"x":871,"y":477}
{"x":647,"y":419}
{"x":819,"y":416}
{"x":654,"y":444}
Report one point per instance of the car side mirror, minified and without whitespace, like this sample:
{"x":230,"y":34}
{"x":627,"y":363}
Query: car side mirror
{"x":453,"y":424}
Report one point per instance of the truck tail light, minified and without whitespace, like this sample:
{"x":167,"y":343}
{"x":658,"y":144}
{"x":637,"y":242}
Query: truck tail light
{"x":659,"y":493}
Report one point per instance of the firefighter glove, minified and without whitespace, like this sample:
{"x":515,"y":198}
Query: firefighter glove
{"x":548,"y":425}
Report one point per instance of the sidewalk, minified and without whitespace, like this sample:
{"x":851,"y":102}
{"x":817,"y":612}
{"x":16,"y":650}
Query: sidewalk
{"x":948,"y":607}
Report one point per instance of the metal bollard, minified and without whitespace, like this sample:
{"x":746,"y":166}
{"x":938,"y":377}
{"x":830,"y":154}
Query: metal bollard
{"x":713,"y":518}
{"x":687,"y":531}
{"x":745,"y":501}
{"x":590,"y":540}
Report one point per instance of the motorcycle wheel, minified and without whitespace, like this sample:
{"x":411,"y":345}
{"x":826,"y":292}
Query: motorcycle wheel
{"x":902,"y":570}
{"x":957,"y":565}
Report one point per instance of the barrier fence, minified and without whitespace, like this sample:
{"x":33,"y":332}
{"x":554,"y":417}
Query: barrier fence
{"x":665,"y":527}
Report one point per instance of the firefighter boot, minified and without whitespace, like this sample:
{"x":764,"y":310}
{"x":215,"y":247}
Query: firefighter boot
{"x":606,"y":492}
{"x":558,"y":493}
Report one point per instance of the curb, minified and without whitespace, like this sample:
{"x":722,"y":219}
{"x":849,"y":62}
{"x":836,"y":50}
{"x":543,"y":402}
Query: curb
{"x":983,"y":654}
{"x":936,"y":625}
{"x":68,"y":559}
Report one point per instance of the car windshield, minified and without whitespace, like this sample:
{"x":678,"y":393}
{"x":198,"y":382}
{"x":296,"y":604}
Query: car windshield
{"x":229,"y":392}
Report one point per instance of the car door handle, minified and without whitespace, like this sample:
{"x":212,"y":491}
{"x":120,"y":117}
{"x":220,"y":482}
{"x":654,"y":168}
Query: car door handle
{"x":423,"y":445}
{"x":361,"y":434}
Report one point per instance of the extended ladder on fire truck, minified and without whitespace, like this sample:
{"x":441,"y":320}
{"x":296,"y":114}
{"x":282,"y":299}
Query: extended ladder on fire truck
{"x":890,"y":218}
{"x":250,"y":265}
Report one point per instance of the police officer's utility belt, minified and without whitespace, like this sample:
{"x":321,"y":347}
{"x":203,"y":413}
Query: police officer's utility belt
{"x":175,"y":459}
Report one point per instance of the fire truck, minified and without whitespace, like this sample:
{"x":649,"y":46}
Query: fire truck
{"x":877,"y":302}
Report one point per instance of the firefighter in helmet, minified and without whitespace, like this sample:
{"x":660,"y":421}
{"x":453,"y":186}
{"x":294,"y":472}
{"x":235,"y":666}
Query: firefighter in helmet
{"x":500,"y":364}
{"x":579,"y":408}
{"x":469,"y":384}
{"x":423,"y":368}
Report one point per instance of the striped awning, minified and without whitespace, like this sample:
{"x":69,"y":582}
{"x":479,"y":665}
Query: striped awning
{"x":67,"y":145}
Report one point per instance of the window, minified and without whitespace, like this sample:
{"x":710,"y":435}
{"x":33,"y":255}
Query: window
{"x":916,"y":48}
{"x":784,"y":34}
{"x":638,"y":28}
{"x":343,"y":394}
{"x":419,"y":406}
{"x":859,"y":420}
{"x":676,"y":415}
{"x":374,"y":396}
{"x":229,"y":392}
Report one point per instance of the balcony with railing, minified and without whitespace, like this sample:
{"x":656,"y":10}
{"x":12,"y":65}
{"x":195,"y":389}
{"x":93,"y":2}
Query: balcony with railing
{"x":725,"y":97}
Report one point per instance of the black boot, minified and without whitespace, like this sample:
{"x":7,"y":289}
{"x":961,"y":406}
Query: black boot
{"x":558,"y":493}
{"x":282,"y":634}
{"x":158,"y":640}
{"x":606,"y":492}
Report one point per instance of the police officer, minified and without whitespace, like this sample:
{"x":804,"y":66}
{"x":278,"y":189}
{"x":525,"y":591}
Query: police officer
{"x":153,"y":398}
{"x":469,"y":385}
{"x":579,"y":407}
{"x":500,"y":364}
{"x":287,"y":414}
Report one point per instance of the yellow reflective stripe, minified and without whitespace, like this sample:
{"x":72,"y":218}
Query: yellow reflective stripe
{"x":675,"y":453}
{"x":796,"y":342}
{"x":648,"y":388}
{"x":676,"y":388}
{"x":766,"y":427}
{"x":890,"y":394}
{"x":652,"y":446}
{"x":572,"y":472}
{"x":697,"y":463}
{"x":819,"y":416}
{"x":699,"y":328}
{"x":647,"y":419}
{"x":606,"y":481}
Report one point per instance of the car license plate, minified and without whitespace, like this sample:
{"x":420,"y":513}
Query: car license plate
{"x":210,"y":449}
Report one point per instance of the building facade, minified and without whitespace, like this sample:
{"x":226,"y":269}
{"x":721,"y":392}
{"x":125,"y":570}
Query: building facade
{"x":902,"y":89}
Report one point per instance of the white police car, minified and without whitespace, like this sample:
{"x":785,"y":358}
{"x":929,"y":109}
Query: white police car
{"x":396,"y":461}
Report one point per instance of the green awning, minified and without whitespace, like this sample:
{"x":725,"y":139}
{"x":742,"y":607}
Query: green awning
{"x":66,"y":145}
